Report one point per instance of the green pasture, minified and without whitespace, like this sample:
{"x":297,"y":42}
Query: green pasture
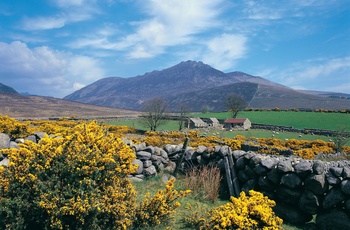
{"x":300,"y":120}
{"x":172,"y":125}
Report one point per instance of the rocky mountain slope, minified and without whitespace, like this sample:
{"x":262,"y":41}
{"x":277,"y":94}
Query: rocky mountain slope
{"x":196,"y":85}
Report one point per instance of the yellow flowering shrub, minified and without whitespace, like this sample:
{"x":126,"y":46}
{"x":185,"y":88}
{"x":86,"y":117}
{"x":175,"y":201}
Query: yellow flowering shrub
{"x":159,"y":209}
{"x":245,"y":212}
{"x":14,"y":128}
{"x":70,"y":182}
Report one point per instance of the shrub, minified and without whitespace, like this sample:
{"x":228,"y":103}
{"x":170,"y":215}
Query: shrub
{"x":246,"y":212}
{"x":13,"y":128}
{"x":161,"y":208}
{"x":72,"y":182}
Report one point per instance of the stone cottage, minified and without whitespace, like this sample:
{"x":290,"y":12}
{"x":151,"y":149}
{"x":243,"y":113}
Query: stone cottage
{"x":237,"y":123}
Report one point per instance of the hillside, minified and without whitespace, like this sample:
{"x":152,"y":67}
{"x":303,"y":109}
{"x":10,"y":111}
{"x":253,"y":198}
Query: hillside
{"x":7,"y":89}
{"x":18,"y":106}
{"x":196,"y":84}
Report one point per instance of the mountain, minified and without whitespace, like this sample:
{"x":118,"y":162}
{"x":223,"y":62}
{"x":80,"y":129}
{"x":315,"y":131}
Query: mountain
{"x":196,"y":85}
{"x":7,"y":89}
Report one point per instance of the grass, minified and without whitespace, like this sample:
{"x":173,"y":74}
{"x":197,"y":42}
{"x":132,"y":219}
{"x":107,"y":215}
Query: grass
{"x":155,"y":183}
{"x":300,"y":120}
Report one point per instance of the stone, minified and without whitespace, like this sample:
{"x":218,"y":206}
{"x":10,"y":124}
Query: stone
{"x":13,"y":144}
{"x":170,"y":167}
{"x":291,"y":180}
{"x":333,"y":219}
{"x":40,"y":135}
{"x":288,"y":195}
{"x":238,"y":153}
{"x":316,"y":183}
{"x":336,"y":171}
{"x":346,"y":173}
{"x":201,"y":149}
{"x":334,"y":197}
{"x":150,"y":171}
{"x":291,"y":214}
{"x":31,"y":138}
{"x":319,"y":167}
{"x":269,"y":163}
{"x":331,"y":179}
{"x":224,"y":151}
{"x":303,"y":168}
{"x":147,"y":163}
{"x":143,"y":155}
{"x":4,"y":141}
{"x":140,"y":166}
{"x":285,"y":166}
{"x":265,"y":184}
{"x":260,"y":169}
{"x":274,"y":176}
{"x":309,"y":202}
{"x":345,"y":186}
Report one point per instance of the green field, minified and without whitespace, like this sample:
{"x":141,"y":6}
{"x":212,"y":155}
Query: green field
{"x":300,"y":120}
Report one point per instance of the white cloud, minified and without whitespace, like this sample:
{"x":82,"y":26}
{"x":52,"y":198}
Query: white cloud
{"x":317,"y":74}
{"x":168,"y":24}
{"x":46,"y":71}
{"x":44,"y":23}
{"x":223,"y":52}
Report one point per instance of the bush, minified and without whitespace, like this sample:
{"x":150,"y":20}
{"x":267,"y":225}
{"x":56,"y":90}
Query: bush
{"x":246,"y":212}
{"x":72,"y":182}
{"x":161,"y":208}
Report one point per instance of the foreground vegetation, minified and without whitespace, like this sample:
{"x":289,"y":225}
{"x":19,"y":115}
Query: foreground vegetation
{"x":77,"y":179}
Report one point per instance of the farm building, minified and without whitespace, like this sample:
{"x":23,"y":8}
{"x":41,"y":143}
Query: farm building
{"x":212,"y":122}
{"x":196,"y":122}
{"x":237,"y":123}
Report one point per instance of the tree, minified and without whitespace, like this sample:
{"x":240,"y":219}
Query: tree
{"x":235,"y":103}
{"x":155,"y":113}
{"x":183,"y":110}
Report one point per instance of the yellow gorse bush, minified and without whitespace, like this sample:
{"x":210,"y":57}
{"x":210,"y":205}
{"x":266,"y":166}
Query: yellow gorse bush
{"x":76,"y":181}
{"x":159,"y":209}
{"x":14,"y":128}
{"x":245,"y":212}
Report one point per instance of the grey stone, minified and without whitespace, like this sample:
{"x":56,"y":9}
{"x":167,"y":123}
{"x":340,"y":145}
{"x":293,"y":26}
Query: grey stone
{"x":336,"y":171}
{"x":238,"y":153}
{"x":331,"y":179}
{"x":316,"y":183}
{"x":150,"y":171}
{"x":291,"y":214}
{"x":345,"y":186}
{"x":4,"y":141}
{"x":319,"y":167}
{"x":224,"y":150}
{"x":346,"y":173}
{"x":285,"y":166}
{"x":140,"y":166}
{"x":303,"y":168}
{"x":170,"y":167}
{"x":13,"y":144}
{"x":274,"y":176}
{"x":31,"y":138}
{"x":309,"y":202}
{"x":333,"y":220}
{"x":288,"y":195}
{"x":200,"y":149}
{"x":334,"y":197}
{"x":269,"y":163}
{"x":291,"y":180}
{"x":147,"y":163}
{"x":143,"y":155}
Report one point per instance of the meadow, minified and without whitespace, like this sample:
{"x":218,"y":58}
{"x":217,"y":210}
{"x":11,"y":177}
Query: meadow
{"x":300,"y":120}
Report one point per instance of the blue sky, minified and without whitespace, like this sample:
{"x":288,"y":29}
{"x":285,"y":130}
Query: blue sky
{"x":55,"y":47}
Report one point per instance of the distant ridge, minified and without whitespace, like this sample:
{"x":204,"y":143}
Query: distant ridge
{"x":197,"y":84}
{"x":7,"y":89}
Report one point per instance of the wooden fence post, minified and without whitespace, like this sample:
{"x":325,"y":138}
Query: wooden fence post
{"x":179,"y":161}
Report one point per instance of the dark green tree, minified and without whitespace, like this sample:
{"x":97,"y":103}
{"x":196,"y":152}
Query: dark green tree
{"x":235,"y":103}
